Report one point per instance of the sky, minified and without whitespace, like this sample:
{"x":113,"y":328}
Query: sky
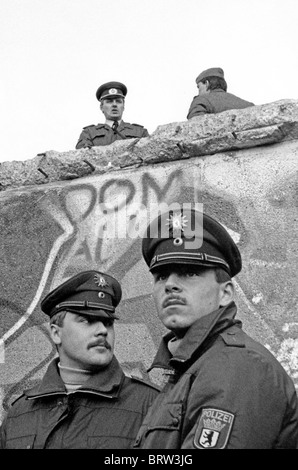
{"x":54,"y":54}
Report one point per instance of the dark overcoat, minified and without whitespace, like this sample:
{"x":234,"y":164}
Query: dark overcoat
{"x":225,"y":391}
{"x":105,"y":413}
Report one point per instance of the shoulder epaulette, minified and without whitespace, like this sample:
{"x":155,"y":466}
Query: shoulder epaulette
{"x":233,"y":337}
{"x":91,"y":125}
{"x":139,"y":125}
{"x":17,"y":399}
{"x":145,"y":382}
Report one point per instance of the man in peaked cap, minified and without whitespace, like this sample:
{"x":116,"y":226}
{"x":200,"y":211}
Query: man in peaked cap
{"x":84,"y":399}
{"x":213,"y":96}
{"x":225,"y":390}
{"x":111,"y":96}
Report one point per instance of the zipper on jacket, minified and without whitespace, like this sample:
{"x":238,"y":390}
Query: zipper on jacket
{"x":71,"y":393}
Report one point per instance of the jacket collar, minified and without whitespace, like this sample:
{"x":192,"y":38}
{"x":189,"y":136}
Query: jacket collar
{"x":206,"y":327}
{"x":217,"y":90}
{"x":110,"y":122}
{"x":122,"y":125}
{"x":106,"y":382}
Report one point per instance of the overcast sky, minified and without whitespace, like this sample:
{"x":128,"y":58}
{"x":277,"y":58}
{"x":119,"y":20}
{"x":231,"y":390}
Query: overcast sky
{"x":55,"y":53}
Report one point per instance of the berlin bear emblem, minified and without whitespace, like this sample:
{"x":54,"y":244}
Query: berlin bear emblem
{"x":214,"y":428}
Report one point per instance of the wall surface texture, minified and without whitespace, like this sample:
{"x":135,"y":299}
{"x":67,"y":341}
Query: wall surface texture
{"x":61,"y":213}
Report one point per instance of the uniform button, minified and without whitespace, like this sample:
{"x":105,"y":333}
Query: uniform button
{"x":175,"y":421}
{"x":28,"y":446}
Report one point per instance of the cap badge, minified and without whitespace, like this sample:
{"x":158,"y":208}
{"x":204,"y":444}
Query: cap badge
{"x":100,"y":281}
{"x":112,"y":91}
{"x":177,"y":223}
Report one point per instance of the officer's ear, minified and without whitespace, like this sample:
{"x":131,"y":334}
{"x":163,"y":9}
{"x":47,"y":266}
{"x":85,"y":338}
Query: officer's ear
{"x":227,"y":293}
{"x":55,"y":333}
{"x":207,"y":83}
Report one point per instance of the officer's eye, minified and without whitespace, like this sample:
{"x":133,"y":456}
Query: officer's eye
{"x":82,"y":319}
{"x":108,"y":322}
{"x":160,"y":277}
{"x":192,"y":274}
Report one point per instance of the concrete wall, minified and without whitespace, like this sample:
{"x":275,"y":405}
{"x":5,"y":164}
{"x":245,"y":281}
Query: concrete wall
{"x":59,"y":221}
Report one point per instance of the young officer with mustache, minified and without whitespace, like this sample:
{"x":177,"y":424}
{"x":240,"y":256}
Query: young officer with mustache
{"x":225,"y":390}
{"x":84,"y":401}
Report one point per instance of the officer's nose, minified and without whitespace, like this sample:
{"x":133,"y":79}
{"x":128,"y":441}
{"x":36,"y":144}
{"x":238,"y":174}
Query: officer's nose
{"x":172,"y":283}
{"x":100,"y":328}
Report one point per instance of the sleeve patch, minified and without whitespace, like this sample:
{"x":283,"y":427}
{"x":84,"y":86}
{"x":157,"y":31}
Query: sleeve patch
{"x":213,"y":429}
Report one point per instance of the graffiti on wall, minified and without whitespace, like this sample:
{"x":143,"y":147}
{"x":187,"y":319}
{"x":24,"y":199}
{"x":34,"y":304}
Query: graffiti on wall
{"x":97,"y":223}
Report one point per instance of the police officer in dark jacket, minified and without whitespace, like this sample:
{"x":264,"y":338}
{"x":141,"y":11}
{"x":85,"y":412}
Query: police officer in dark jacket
{"x":111,"y":96}
{"x":213,"y":96}
{"x":84,"y":401}
{"x":225,"y":390}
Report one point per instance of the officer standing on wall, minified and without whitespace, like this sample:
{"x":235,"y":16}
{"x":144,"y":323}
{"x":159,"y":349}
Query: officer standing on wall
{"x":213,"y":96}
{"x":225,"y":390}
{"x":84,"y":401}
{"x":111,"y":96}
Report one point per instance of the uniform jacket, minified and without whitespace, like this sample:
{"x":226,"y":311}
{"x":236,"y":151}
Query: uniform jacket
{"x":216,"y":101}
{"x":105,"y":413}
{"x":225,"y":391}
{"x":102,"y":134}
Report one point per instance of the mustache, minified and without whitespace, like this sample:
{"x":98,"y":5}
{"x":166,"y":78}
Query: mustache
{"x":173,"y":299}
{"x":99,"y":342}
